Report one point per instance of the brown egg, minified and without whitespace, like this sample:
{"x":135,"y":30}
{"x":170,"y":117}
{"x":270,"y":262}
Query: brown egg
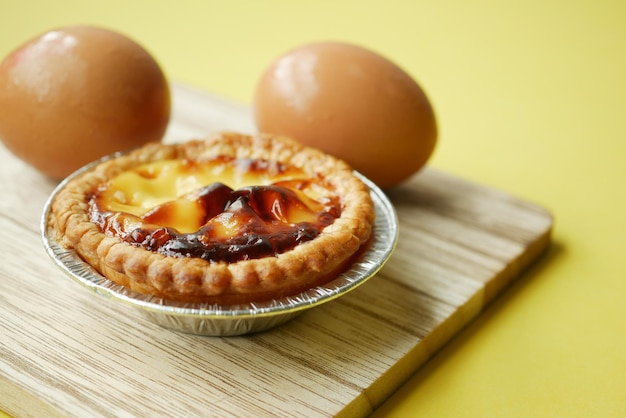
{"x":72,"y":95}
{"x":352,"y":103}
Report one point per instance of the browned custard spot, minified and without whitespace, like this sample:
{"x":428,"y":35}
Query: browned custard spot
{"x":223,"y":209}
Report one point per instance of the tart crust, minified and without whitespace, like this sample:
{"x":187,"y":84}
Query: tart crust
{"x":195,"y":280}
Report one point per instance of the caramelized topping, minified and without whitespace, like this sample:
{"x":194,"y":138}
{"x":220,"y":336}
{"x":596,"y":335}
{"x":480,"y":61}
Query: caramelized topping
{"x":184,"y":208}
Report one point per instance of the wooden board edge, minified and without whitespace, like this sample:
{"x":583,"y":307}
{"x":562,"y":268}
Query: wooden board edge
{"x":18,"y":402}
{"x":401,"y":372}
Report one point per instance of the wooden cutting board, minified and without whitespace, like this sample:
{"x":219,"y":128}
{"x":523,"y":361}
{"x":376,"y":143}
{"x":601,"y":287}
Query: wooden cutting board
{"x":67,"y":352}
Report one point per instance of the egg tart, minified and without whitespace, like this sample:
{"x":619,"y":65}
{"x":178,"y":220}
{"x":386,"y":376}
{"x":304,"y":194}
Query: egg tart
{"x":223,"y":220}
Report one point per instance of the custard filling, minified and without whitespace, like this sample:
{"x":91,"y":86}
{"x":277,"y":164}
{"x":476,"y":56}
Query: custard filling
{"x":222,"y":209}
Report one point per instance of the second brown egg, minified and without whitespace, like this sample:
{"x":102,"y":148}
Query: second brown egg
{"x":352,"y":103}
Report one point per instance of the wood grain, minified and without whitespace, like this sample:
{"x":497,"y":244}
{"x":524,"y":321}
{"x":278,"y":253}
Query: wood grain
{"x":67,"y":352}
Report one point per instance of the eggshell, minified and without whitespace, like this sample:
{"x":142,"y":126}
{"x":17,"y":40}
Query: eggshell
{"x":72,"y":95}
{"x":350,"y":102}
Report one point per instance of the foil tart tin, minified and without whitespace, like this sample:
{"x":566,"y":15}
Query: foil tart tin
{"x":218,"y":320}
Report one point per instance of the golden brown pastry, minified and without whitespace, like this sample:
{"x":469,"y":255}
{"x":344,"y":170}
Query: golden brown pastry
{"x":224,"y":220}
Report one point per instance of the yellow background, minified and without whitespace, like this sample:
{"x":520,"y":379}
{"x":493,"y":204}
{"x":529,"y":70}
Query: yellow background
{"x":530,"y":98}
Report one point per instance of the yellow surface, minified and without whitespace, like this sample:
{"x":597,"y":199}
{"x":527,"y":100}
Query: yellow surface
{"x":531,"y":99}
